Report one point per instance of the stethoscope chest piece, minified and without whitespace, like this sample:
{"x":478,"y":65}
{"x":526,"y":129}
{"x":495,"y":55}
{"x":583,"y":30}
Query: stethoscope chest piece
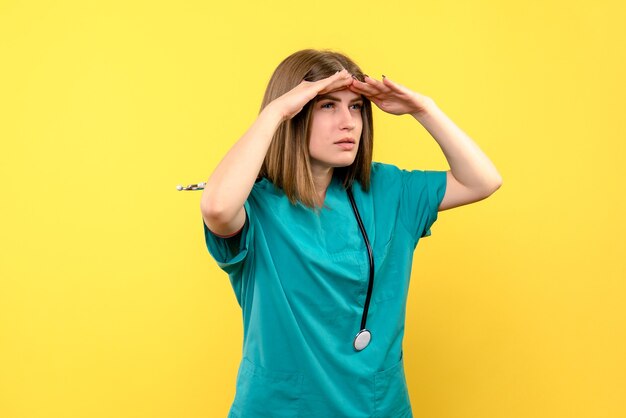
{"x":362,"y":339}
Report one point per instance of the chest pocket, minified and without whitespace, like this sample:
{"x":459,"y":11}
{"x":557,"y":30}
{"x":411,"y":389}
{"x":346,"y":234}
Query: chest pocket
{"x":262,"y":392}
{"x":341,"y":229}
{"x":387,"y":279}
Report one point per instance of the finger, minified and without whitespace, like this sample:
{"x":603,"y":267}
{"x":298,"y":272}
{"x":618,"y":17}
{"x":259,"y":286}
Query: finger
{"x":338,"y":83}
{"x":395,"y":86}
{"x":333,"y":88}
{"x":378,"y":84}
{"x":339,"y":75}
{"x":365,"y":88}
{"x":376,"y":101}
{"x":328,"y":80}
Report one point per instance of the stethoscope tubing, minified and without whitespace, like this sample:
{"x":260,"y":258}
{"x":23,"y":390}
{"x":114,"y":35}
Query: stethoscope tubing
{"x":371,"y":258}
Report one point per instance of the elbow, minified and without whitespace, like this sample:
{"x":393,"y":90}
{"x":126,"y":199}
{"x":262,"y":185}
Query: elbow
{"x":494,"y":185}
{"x":212,"y":210}
{"x":498,"y":181}
{"x":489,"y":187}
{"x":208,"y":208}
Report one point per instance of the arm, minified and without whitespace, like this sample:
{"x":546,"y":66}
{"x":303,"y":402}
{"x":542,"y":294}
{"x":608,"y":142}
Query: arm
{"x":472,"y":176}
{"x":231,"y":182}
{"x":226,"y":191}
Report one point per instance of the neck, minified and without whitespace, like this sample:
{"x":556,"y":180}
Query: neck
{"x":321,"y":179}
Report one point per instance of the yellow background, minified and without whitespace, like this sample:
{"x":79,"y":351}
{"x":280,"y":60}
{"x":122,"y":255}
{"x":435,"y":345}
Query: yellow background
{"x":111,"y":306}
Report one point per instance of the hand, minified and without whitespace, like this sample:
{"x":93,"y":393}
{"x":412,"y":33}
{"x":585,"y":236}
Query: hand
{"x":391,"y":97}
{"x":292,"y":102}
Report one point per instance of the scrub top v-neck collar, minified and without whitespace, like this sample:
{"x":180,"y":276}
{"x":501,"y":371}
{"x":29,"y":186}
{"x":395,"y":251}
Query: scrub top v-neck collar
{"x":331,"y":191}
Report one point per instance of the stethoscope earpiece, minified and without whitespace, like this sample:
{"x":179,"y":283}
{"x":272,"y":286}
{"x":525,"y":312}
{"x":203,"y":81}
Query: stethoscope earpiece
{"x":199,"y":186}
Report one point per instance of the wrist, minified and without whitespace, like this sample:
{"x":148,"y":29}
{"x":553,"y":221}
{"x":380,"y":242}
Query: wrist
{"x":273,"y":114}
{"x":427,"y":107}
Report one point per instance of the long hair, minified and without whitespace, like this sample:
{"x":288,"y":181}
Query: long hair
{"x":287,"y":164}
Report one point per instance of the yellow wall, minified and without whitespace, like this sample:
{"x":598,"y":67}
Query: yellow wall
{"x":111,"y":306}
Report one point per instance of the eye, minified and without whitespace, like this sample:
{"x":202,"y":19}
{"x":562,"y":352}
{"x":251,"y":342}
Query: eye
{"x":358,"y":105}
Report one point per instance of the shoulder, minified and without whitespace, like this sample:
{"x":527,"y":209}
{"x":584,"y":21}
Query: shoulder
{"x":385,"y":169}
{"x":386,"y":180}
{"x":390,"y":172}
{"x":383,"y":173}
{"x":380,"y":166}
{"x":263,"y":185}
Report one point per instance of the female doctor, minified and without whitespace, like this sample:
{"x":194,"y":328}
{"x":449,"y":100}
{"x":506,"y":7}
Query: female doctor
{"x":318,"y":240}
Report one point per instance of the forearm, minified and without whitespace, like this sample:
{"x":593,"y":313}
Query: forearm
{"x":230,"y":184}
{"x":468,"y":164}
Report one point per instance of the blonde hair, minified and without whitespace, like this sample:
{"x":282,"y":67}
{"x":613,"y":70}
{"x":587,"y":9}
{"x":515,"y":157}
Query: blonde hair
{"x":287,"y":164}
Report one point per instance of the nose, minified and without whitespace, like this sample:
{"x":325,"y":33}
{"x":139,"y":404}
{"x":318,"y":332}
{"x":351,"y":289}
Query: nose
{"x":347,"y":118}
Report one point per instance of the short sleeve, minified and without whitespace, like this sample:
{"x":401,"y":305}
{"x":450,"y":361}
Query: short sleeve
{"x":230,"y":253}
{"x":422,"y":192}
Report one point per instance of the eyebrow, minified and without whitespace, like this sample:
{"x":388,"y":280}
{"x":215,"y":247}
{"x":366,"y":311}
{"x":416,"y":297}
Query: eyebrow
{"x":336,"y":99}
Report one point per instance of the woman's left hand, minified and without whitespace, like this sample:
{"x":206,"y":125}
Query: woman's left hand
{"x":391,"y":97}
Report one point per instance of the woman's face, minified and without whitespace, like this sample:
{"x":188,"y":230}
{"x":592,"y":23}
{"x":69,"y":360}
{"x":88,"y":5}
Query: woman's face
{"x":336,"y":116}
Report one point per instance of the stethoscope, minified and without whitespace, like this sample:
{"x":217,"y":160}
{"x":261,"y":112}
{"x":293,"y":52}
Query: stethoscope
{"x":364,"y":336}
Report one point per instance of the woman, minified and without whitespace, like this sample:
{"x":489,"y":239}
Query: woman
{"x":322,"y":330}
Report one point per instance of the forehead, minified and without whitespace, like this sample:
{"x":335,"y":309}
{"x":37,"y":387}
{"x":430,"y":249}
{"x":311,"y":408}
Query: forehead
{"x":345,"y":95}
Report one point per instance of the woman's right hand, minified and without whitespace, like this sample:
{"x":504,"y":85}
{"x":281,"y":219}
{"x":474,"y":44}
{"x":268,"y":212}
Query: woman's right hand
{"x":292,"y":102}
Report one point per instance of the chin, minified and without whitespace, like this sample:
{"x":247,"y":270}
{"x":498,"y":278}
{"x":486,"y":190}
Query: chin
{"x":345,"y":162}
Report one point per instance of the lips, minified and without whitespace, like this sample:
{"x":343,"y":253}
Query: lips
{"x":345,"y":141}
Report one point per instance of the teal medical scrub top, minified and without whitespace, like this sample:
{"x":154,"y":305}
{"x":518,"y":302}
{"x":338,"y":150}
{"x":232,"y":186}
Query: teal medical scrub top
{"x":301,"y":281}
